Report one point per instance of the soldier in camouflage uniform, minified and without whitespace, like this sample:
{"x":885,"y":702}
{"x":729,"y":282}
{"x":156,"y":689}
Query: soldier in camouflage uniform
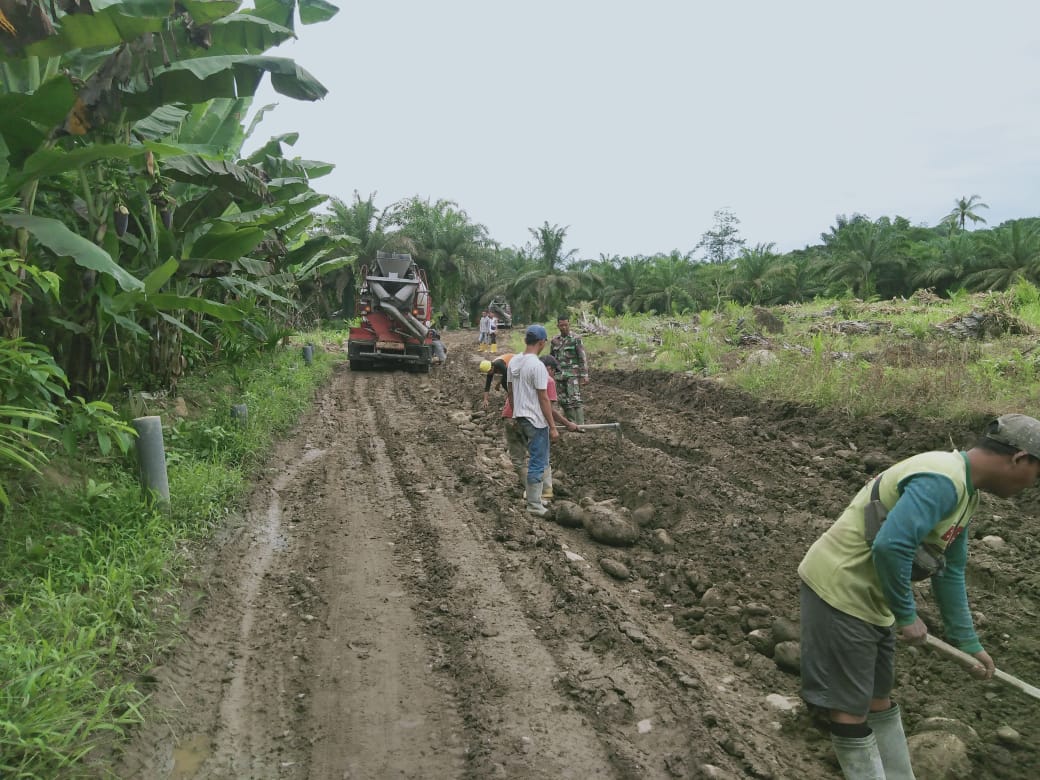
{"x":574,"y":370}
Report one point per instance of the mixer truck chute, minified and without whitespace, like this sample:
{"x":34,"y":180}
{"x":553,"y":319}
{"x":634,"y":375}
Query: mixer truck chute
{"x":396,"y":314}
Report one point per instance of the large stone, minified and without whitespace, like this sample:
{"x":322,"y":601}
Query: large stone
{"x":788,"y":656}
{"x":607,"y":526}
{"x":785,"y":630}
{"x":569,"y":514}
{"x":615,"y":569}
{"x":644,"y":515}
{"x":959,"y":728}
{"x":662,"y":540}
{"x":939,"y":755}
{"x":762,"y":641}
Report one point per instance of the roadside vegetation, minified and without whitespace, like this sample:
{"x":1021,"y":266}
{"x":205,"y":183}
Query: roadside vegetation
{"x":90,"y":570}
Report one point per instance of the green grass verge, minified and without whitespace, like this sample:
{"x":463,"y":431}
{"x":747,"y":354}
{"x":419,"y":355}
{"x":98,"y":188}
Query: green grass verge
{"x":89,"y":572}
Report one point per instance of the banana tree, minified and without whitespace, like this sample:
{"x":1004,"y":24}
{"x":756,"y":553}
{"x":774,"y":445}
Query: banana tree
{"x":108,"y":123}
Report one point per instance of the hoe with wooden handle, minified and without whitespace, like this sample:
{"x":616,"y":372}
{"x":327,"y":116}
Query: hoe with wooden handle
{"x":969,"y":661}
{"x":602,"y":427}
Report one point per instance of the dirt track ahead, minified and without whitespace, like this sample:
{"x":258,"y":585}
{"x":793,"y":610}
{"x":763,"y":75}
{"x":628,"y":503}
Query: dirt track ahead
{"x":385,"y":608}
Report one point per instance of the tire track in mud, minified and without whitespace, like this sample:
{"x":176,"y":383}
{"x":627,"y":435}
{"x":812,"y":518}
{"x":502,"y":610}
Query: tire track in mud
{"x":520,"y":726}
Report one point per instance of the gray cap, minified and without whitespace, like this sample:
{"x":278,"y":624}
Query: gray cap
{"x":1017,"y":430}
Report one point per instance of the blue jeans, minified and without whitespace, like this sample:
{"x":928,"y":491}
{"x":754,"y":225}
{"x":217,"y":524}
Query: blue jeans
{"x":537,"y":449}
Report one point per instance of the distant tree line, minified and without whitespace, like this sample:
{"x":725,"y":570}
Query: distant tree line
{"x":857,"y":256}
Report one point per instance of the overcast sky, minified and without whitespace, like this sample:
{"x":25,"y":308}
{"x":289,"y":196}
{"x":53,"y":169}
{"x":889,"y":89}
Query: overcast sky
{"x":632,"y":122}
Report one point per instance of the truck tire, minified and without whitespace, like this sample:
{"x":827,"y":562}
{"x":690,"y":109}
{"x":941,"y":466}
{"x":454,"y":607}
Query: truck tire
{"x":358,"y":365}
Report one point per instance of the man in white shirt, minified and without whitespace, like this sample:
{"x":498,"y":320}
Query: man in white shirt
{"x":527,"y":385}
{"x":482,"y":337}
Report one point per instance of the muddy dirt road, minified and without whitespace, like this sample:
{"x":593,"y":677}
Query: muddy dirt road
{"x":385,"y":609}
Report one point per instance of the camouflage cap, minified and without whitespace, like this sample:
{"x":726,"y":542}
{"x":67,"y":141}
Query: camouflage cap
{"x":1016,"y":430}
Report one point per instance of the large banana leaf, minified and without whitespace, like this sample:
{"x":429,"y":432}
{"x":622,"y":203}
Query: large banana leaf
{"x":117,"y":21}
{"x":227,"y":242}
{"x":144,"y":305}
{"x":172,"y":302}
{"x":160,"y":276}
{"x":217,"y":124}
{"x":28,"y":116}
{"x":164,"y":122}
{"x":240,"y":286}
{"x":227,"y":76}
{"x":281,"y":11}
{"x":237,"y":179}
{"x":62,"y":241}
{"x":246,"y":33}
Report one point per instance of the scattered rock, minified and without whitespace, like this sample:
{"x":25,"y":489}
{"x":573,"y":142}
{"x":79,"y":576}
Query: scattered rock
{"x":966,"y":733}
{"x":180,"y":407}
{"x":712,"y":772}
{"x":703,"y":642}
{"x":1009,"y":736}
{"x":615,"y":569}
{"x":712,"y":598}
{"x":785,"y":630}
{"x":605,"y":525}
{"x":690,"y":614}
{"x":762,"y":641}
{"x":631,"y":630}
{"x":662,"y":540}
{"x":939,"y":755}
{"x":569,"y":514}
{"x":994,"y":542}
{"x":643,"y":516}
{"x":788,"y":656}
{"x":783,"y":703}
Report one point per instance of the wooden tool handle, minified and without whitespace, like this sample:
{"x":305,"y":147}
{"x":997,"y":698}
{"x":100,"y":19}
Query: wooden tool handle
{"x":951,"y":652}
{"x":970,"y":661}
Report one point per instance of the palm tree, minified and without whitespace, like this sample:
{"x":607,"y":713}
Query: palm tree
{"x":751,"y":273}
{"x":446,"y":243}
{"x":964,"y":211}
{"x":1007,"y":255}
{"x":668,"y":285}
{"x":953,"y":258}
{"x":363,"y":221}
{"x":860,"y":253}
{"x":547,"y":285}
{"x":621,"y":282}
{"x":796,"y":277}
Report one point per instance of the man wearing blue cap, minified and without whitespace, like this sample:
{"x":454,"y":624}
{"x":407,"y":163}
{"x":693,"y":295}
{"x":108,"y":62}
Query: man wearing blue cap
{"x":527,"y":386}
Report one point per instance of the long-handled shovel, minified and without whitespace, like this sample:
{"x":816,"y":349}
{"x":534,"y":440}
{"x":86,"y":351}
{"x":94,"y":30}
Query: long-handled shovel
{"x":969,"y":661}
{"x":602,"y":427}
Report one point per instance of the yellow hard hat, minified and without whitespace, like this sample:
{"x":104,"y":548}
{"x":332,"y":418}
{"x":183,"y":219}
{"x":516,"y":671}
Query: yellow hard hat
{"x":485,"y":366}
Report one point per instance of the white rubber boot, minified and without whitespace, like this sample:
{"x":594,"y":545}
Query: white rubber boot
{"x":534,"y":500}
{"x":891,"y":742}
{"x":859,"y":757}
{"x":547,"y":485}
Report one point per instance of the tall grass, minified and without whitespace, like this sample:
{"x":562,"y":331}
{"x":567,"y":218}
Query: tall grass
{"x":88,"y":571}
{"x":909,"y":367}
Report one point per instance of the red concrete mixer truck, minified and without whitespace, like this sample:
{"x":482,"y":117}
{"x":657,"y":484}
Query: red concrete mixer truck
{"x":396,"y":314}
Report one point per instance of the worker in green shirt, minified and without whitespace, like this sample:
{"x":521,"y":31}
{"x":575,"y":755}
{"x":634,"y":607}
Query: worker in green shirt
{"x":906,"y":524}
